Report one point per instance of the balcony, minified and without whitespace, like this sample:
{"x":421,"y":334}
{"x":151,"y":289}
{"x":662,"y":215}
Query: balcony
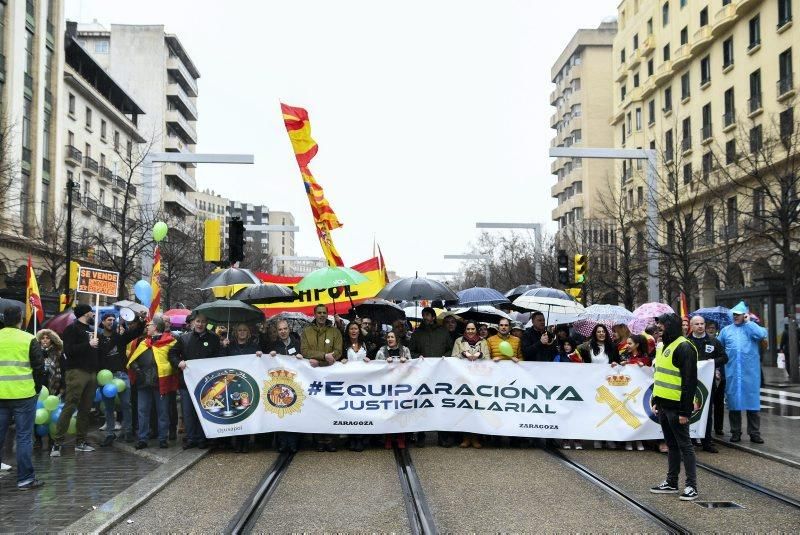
{"x":107,"y":213}
{"x":724,"y":19}
{"x":178,"y":97}
{"x":554,"y":97}
{"x":178,"y":70}
{"x":179,"y":123}
{"x":554,"y":120}
{"x":706,"y":135}
{"x":90,"y":166}
{"x":179,"y":202}
{"x":744,"y":6}
{"x":635,"y":95}
{"x":622,"y":73}
{"x":681,"y":57}
{"x":636,"y":59}
{"x":179,"y":173}
{"x":106,"y":174}
{"x":648,"y":45}
{"x":754,"y":104}
{"x":728,"y":120}
{"x":89,"y":205}
{"x":663,"y":73}
{"x":702,"y":39}
{"x":648,"y":88}
{"x":73,"y":156}
{"x":785,"y":87}
{"x":574,"y":73}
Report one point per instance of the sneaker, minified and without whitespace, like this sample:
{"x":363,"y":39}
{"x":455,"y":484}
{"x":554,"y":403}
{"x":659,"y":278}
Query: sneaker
{"x":639,"y":445}
{"x":689,"y":494}
{"x":578,"y":445}
{"x":55,"y":451}
{"x":567,"y":445}
{"x":628,"y":446}
{"x":736,"y":438}
{"x":117,"y":426}
{"x":30,"y":485}
{"x":4,"y":467}
{"x":756,"y":440}
{"x":83,"y":446}
{"x":665,"y":488}
{"x":103,"y":427}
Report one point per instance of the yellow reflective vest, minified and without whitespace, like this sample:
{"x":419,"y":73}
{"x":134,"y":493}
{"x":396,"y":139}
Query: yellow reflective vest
{"x":16,"y":372}
{"x":667,"y":378}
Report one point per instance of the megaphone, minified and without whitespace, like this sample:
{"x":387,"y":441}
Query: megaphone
{"x":127,"y":314}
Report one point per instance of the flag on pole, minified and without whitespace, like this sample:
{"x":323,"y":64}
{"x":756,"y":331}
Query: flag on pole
{"x":305,"y":148}
{"x":684,"y":306}
{"x":382,"y":265}
{"x":155,"y":283}
{"x":33,"y":300}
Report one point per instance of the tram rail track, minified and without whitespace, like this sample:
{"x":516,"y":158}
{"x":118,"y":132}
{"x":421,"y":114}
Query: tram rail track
{"x":248,"y":514}
{"x":420,"y":518}
{"x":746,"y":483}
{"x":610,"y":488}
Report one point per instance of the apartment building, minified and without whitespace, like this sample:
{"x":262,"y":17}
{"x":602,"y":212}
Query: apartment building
{"x":703,"y":82}
{"x":154,"y":67}
{"x":31,"y":60}
{"x":211,"y":205}
{"x":281,"y":243}
{"x":99,"y":122}
{"x":582,"y":98}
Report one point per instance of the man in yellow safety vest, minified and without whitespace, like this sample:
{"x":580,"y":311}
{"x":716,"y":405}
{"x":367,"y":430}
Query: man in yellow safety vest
{"x":21,"y":375}
{"x":674,"y":385}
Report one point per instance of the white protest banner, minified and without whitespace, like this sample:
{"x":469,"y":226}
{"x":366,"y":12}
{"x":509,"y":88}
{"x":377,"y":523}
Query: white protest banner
{"x":247,"y":394}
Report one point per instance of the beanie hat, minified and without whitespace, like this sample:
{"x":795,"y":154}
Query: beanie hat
{"x":81,"y":310}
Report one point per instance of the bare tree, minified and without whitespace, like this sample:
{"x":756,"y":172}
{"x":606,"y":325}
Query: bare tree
{"x":182,"y":265}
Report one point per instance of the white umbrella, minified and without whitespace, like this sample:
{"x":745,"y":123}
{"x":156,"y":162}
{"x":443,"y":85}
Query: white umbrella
{"x":556,"y":305}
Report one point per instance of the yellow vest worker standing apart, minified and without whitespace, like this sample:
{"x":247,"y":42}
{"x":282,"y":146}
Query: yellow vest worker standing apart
{"x":674,"y":385}
{"x":21,"y":375}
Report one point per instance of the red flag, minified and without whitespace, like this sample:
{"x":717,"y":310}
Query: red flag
{"x":33,"y":301}
{"x":155,"y":282}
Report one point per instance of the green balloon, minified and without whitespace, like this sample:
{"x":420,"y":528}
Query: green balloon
{"x":73,"y":426}
{"x":159,"y":231}
{"x":51,"y":403}
{"x":120,"y":384}
{"x":104,"y":377}
{"x":53,"y":429}
{"x":506,"y":349}
{"x":42,"y":415}
{"x":43,"y":393}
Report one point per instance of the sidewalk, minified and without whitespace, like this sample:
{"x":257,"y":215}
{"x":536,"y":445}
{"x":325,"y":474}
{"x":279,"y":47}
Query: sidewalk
{"x":781,"y":436}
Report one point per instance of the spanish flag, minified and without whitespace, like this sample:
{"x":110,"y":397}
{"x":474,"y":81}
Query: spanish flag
{"x":305,"y":148}
{"x":33,"y":300}
{"x":155,"y":283}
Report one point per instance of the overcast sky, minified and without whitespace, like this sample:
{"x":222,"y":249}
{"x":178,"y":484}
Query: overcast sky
{"x":430,"y":115}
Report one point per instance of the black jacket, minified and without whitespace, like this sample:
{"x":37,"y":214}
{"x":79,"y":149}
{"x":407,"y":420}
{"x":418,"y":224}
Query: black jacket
{"x":685,"y":359}
{"x":281,"y":348}
{"x":710,"y":348}
{"x":192,"y":346}
{"x":112,"y":349}
{"x":235,"y":348}
{"x":534,"y":350}
{"x":79,"y":355}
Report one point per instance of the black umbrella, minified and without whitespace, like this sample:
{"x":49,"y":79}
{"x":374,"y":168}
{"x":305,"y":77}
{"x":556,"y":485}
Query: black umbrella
{"x":5,"y":303}
{"x":229,"y":310}
{"x":380,"y":310}
{"x":297,"y":320}
{"x":228,"y":281}
{"x":265,"y":293}
{"x":416,"y":289}
{"x":519,"y":290}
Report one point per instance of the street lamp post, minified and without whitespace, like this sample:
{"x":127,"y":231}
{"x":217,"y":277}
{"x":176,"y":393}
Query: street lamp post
{"x":71,"y":187}
{"x":537,"y":240}
{"x":652,"y":210}
{"x":486,"y":258}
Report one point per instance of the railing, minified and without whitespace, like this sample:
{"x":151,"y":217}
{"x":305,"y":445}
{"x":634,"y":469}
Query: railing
{"x":729,"y":118}
{"x":785,"y":84}
{"x":91,"y":164}
{"x":705,"y":131}
{"x":91,"y":204}
{"x":107,"y":212}
{"x":28,"y":81}
{"x":754,"y":102}
{"x":74,"y":154}
{"x":106,"y":173}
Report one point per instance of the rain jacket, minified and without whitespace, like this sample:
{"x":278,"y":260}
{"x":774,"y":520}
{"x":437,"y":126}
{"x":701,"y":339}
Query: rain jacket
{"x":430,"y":341}
{"x":743,"y":370}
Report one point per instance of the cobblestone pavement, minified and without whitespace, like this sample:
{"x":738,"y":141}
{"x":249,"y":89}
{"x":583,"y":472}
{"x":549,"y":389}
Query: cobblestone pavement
{"x":74,"y":484}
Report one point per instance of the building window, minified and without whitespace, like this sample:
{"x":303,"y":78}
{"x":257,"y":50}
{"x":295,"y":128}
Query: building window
{"x":651,"y":112}
{"x":727,"y":52}
{"x":704,"y":17}
{"x":684,"y":35}
{"x":730,"y":111}
{"x":685,"y":86}
{"x":71,"y":104}
{"x":116,"y":141}
{"x":786,"y":124}
{"x":759,"y":207}
{"x":88,"y":117}
{"x":686,"y":134}
{"x":649,"y":26}
{"x":756,"y":140}
{"x":103,"y":129}
{"x":622,"y":56}
{"x":687,"y":173}
{"x":705,"y":70}
{"x":708,"y":164}
{"x":706,"y":131}
{"x":623,"y":91}
{"x":730,"y":151}
{"x":755,"y":32}
{"x":667,"y":100}
{"x":101,"y":46}
{"x":635,"y":41}
{"x":650,"y":67}
{"x":27,"y":135}
{"x":785,"y":72}
{"x":709,"y":224}
{"x":665,"y":14}
{"x":639,"y":196}
{"x":628,"y":122}
{"x":732,"y":227}
{"x":668,"y":146}
{"x":784,"y":12}
{"x":755,"y":90}
{"x":636,"y":80}
{"x":666,"y":52}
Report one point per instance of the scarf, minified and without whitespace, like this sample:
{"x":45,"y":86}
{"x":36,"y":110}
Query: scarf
{"x":472,"y":340}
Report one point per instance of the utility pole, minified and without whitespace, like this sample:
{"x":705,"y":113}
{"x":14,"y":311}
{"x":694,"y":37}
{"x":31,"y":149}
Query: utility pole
{"x":71,"y":186}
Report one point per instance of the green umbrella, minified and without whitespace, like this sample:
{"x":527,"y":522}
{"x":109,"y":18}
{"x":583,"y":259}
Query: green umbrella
{"x":330,"y":277}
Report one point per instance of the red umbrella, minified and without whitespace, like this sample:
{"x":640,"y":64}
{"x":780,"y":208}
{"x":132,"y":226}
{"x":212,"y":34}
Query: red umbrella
{"x":60,"y":322}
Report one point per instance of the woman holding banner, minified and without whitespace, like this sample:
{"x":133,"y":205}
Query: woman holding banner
{"x":472,"y":347}
{"x":599,"y":349}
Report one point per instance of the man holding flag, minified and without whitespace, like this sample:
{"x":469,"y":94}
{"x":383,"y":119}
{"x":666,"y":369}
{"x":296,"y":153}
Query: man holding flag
{"x":33,"y":301}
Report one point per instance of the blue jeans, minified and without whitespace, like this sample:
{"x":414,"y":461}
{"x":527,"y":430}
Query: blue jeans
{"x":125,"y":405}
{"x":193,"y":429}
{"x":145,"y":398}
{"x":24,"y":412}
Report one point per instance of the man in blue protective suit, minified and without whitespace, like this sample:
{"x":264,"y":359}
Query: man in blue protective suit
{"x":743,"y":373}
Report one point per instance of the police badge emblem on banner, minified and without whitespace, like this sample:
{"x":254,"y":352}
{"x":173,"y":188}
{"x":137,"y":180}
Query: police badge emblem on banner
{"x":246,"y":394}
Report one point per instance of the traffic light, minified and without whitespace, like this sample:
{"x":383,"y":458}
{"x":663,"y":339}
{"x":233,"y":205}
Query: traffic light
{"x":235,"y":240}
{"x":563,"y":267}
{"x":576,"y":293}
{"x":581,"y":267}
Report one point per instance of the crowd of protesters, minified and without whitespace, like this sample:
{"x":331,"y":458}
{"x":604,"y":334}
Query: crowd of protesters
{"x":149,"y":357}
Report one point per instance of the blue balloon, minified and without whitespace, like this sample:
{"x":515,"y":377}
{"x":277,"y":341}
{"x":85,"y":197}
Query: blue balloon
{"x":55,"y":415}
{"x":42,"y":430}
{"x":40,"y":404}
{"x":110,"y":390}
{"x":143,"y":292}
{"x":98,"y":395}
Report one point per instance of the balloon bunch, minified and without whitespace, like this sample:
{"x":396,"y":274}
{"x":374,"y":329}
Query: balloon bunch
{"x":48,"y":411}
{"x":109,"y":386}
